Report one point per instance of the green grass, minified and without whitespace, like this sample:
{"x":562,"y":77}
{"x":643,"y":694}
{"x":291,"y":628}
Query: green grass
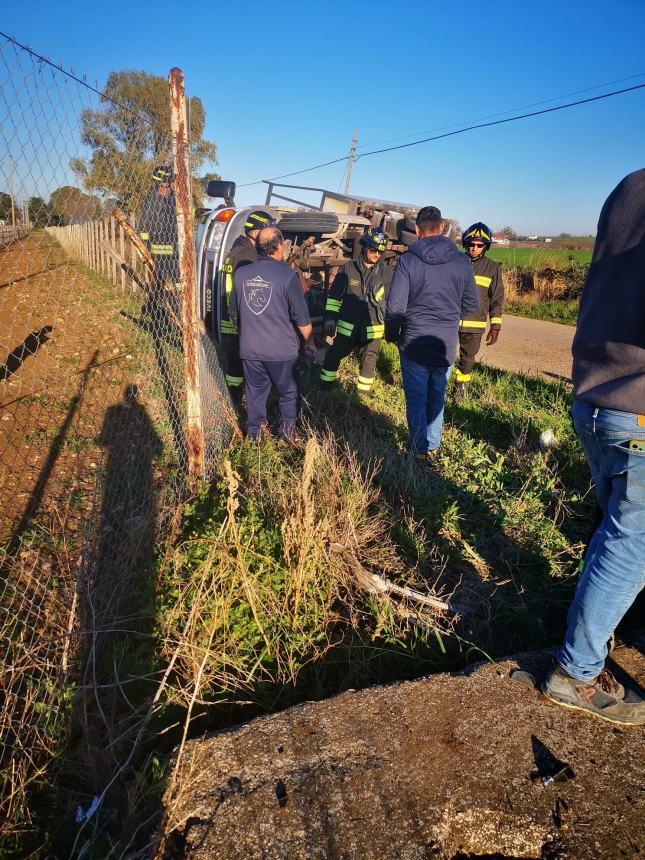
{"x":559,"y":311}
{"x":537,"y":258}
{"x":495,"y":521}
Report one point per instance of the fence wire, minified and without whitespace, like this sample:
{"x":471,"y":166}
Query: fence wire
{"x":93,"y":454}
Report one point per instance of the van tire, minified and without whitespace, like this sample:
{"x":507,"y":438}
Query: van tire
{"x":308,"y":222}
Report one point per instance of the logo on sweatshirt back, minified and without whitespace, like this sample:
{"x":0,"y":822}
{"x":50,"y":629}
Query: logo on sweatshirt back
{"x":257,"y":294}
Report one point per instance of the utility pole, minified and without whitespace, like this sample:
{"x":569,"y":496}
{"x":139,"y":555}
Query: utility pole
{"x":351,"y":161}
{"x":13,"y":205}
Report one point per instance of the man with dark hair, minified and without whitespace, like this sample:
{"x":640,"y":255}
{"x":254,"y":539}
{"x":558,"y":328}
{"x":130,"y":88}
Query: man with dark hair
{"x":355,"y":309}
{"x":269,"y":308}
{"x":243,"y":250}
{"x":432,"y":289}
{"x":609,"y":420}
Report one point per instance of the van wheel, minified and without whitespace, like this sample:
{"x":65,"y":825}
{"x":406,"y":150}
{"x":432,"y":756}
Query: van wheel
{"x":308,"y":222}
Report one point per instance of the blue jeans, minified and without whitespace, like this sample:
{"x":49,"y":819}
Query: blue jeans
{"x":425,"y":394}
{"x":614,"y":568}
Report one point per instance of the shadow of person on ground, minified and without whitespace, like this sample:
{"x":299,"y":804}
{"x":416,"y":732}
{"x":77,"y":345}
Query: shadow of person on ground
{"x":120,"y":589}
{"x":29,"y":347}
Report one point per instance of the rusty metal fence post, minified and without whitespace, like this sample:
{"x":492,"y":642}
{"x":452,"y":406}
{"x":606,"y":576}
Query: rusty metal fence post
{"x":189,"y":314}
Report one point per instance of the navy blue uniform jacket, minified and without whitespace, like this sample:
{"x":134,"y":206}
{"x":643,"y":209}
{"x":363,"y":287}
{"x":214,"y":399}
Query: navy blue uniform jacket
{"x":432,"y":289}
{"x":267,"y":304}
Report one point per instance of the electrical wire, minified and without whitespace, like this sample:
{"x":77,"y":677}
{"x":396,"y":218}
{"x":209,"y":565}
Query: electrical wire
{"x":462,"y":130}
{"x":501,"y":113}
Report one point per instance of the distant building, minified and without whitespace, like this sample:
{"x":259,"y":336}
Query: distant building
{"x":501,"y":239}
{"x":532,"y":238}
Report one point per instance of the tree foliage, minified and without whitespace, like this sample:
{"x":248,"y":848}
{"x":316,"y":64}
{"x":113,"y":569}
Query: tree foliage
{"x":129,"y":135}
{"x":70,"y":205}
{"x":5,"y":206}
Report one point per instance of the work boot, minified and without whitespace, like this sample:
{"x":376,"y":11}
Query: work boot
{"x":459,"y":392}
{"x":604,"y":696}
{"x":237,"y":393}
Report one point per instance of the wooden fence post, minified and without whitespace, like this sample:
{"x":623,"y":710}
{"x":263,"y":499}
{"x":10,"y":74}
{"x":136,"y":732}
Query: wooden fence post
{"x":189,"y":314}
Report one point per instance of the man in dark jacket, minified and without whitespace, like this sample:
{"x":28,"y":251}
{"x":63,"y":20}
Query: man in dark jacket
{"x":432,"y":289}
{"x":609,"y":420}
{"x":242,"y":251}
{"x":269,"y":308}
{"x":490,"y":286}
{"x":355,"y":309}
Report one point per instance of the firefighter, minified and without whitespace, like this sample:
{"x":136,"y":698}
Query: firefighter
{"x":355,"y":310}
{"x":158,"y":225}
{"x":488,"y":277}
{"x":243,"y":250}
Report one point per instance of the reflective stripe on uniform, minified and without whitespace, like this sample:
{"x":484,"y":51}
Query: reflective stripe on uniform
{"x":345,"y":328}
{"x":375,"y":332}
{"x":228,"y":284}
{"x":328,"y":375}
{"x":483,"y":281}
{"x":380,"y":293}
{"x":461,"y":377}
{"x":496,"y":320}
{"x":364,"y":383}
{"x":472,"y":324}
{"x":228,"y":327}
{"x":332,"y":305}
{"x":145,"y":236}
{"x":234,"y":381}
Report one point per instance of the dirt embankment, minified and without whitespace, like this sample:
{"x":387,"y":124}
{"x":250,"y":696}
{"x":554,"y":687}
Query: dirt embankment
{"x":438,"y":768}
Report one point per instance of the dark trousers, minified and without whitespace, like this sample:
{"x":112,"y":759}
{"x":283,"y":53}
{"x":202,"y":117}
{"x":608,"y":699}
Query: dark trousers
{"x":234,"y":370}
{"x":341,"y":348}
{"x":469,"y":343}
{"x":259,"y":378}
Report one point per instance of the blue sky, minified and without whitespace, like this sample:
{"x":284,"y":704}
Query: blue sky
{"x":284,"y":85}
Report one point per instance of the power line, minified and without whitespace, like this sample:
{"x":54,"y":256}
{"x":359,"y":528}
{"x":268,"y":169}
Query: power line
{"x":500,"y":113}
{"x":502,"y":121}
{"x":59,"y":68}
{"x":471,"y":127}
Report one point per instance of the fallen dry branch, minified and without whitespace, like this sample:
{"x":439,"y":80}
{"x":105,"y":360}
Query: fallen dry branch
{"x":375,"y":584}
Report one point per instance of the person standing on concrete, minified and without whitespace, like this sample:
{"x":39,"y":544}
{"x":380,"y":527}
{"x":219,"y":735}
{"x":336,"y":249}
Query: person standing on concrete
{"x":242,"y":251}
{"x":609,"y":420}
{"x":432,"y":289}
{"x":270,"y":311}
{"x":355,"y":309}
{"x":490,"y":286}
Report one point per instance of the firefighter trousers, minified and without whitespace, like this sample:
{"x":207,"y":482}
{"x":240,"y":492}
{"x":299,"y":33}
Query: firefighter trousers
{"x":234,"y":369}
{"x":469,"y":343}
{"x":341,"y":348}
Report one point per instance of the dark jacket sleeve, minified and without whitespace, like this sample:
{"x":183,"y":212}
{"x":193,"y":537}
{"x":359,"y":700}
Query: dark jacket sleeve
{"x":470,"y":296}
{"x":336,"y":294}
{"x":397,"y":300}
{"x":496,"y":298}
{"x":145,"y":221}
{"x":232,"y":304}
{"x":298,"y":310}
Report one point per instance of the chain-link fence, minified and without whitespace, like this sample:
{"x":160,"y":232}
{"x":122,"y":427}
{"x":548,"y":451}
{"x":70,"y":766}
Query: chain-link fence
{"x":112,"y":402}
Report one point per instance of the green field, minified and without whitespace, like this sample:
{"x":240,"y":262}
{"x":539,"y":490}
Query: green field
{"x":538,"y":257}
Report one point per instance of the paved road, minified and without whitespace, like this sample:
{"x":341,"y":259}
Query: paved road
{"x":534,"y":347}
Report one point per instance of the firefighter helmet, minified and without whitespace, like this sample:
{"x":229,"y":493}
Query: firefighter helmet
{"x":163,"y":174}
{"x":257,"y":220}
{"x":374,"y":238}
{"x":477,"y":231}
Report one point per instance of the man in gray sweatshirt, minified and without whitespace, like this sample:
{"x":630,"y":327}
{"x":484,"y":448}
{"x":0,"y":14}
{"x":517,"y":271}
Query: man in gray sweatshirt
{"x":609,"y":420}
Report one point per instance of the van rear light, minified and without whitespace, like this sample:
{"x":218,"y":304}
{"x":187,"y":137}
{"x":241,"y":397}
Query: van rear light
{"x":224,"y":215}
